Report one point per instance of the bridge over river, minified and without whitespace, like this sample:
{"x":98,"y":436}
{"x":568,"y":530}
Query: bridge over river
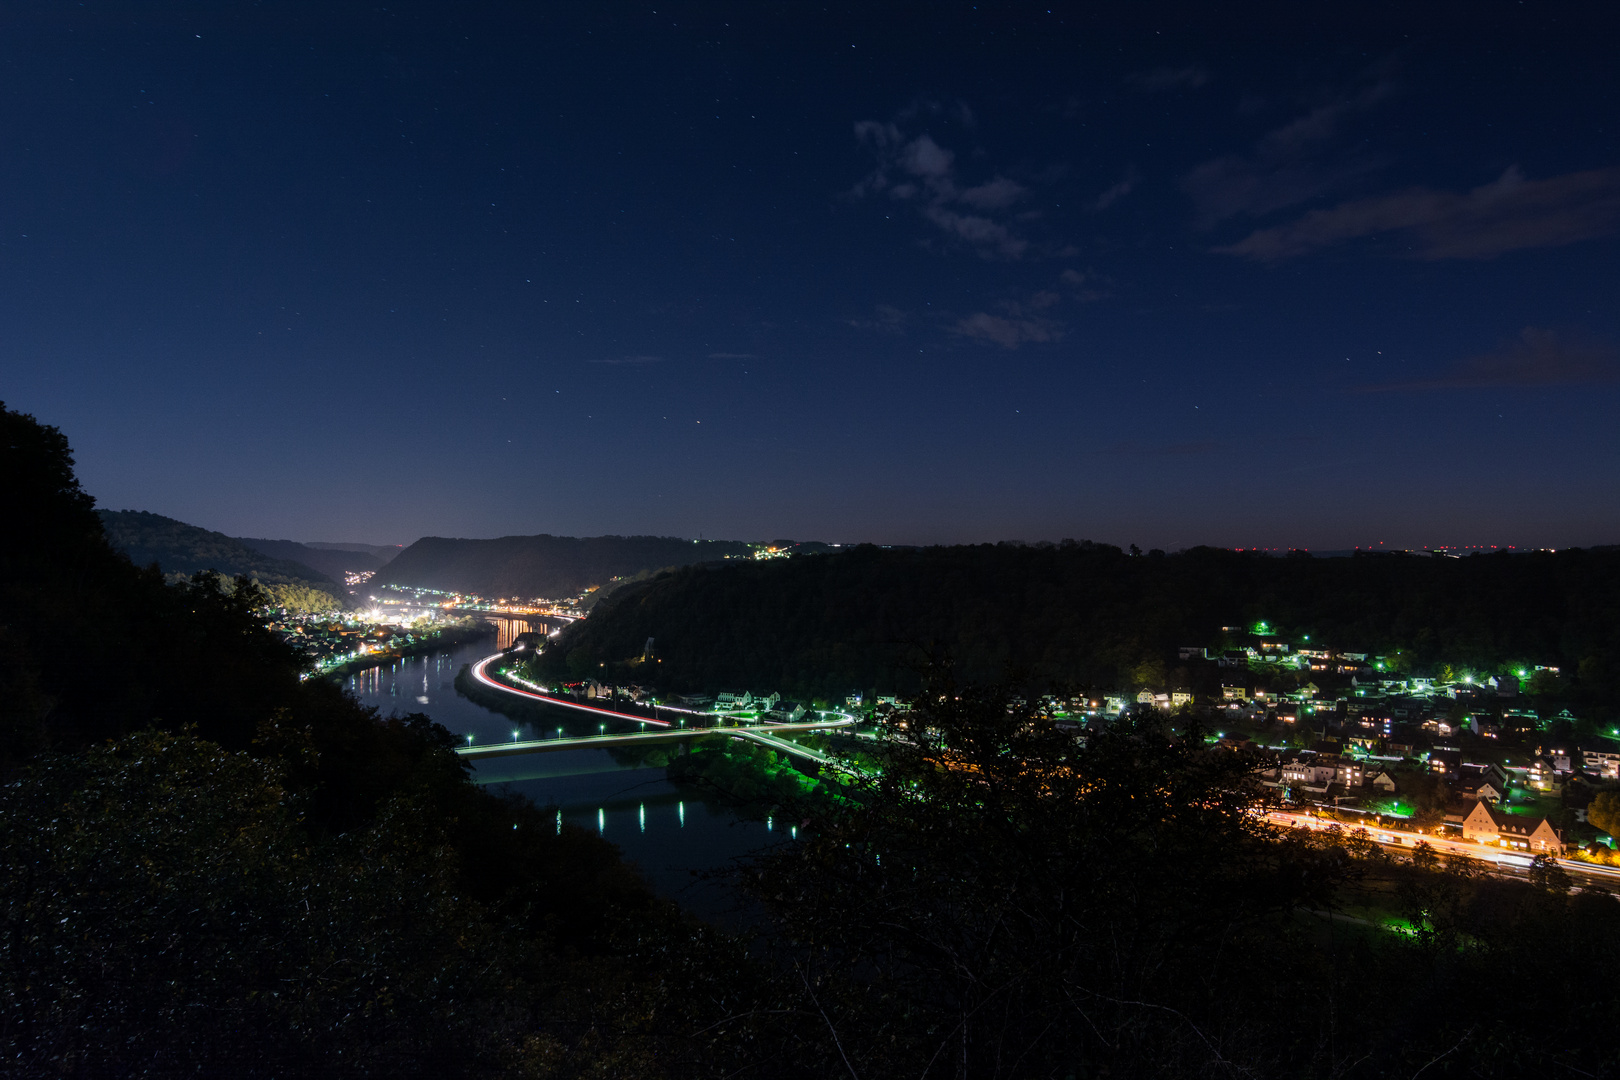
{"x":664,"y":731}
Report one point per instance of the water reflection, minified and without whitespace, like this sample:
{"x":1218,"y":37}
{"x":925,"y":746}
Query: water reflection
{"x":668,"y":832}
{"x":507,"y":631}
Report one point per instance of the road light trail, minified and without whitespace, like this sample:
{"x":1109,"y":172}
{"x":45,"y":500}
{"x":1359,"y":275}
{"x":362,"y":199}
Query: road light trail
{"x":1506,"y":860}
{"x":478,"y":674}
{"x":766,"y":736}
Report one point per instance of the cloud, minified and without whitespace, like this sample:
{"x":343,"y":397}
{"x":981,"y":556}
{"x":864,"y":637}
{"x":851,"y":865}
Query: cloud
{"x":1508,"y":214}
{"x":924,"y":157}
{"x":921,"y":171}
{"x":1021,"y":324}
{"x":1161,"y":79}
{"x":1089,"y":287}
{"x":877,"y":133}
{"x":1117,"y":192}
{"x":630,"y":360}
{"x":732,"y":356}
{"x":1009,"y":333}
{"x":889,"y":320}
{"x":1537,"y":358}
{"x":1289,"y":165}
{"x":996,"y":194}
{"x":989,"y":237}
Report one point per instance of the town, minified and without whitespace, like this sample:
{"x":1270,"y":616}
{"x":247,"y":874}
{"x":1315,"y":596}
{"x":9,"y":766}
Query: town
{"x":1349,"y":737}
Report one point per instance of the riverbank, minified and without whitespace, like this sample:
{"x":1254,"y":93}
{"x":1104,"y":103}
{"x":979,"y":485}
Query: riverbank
{"x":757,"y":780}
{"x":438,"y":641}
{"x":527,"y":710}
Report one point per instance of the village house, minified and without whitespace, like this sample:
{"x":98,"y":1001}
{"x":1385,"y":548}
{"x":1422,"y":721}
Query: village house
{"x":1491,"y":826}
{"x":1446,"y":760}
{"x":1310,"y":770}
{"x":1542,"y":775}
{"x":1559,"y":757}
{"x":1487,"y":783}
{"x":1348,"y":772}
{"x":1602,"y":760}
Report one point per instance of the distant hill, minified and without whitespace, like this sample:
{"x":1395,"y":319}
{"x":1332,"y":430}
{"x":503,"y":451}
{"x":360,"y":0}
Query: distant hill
{"x":384,"y":552}
{"x":1091,"y":615}
{"x":329,"y":561}
{"x":181,"y":549}
{"x":544,"y":566}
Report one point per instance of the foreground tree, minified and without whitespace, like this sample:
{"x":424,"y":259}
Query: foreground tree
{"x":1007,"y":899}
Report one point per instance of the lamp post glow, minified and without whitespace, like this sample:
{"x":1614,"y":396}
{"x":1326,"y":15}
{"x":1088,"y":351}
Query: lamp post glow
{"x":469,"y":740}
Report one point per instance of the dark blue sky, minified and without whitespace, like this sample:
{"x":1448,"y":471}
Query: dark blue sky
{"x":1308,"y":275}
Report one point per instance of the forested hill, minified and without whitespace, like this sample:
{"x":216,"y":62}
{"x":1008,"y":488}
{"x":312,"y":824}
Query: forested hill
{"x":544,"y":565}
{"x":330,"y":562}
{"x":181,"y":549}
{"x":1092,"y":615}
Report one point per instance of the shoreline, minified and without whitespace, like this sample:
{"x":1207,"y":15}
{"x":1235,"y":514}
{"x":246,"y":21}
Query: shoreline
{"x":447,"y":639}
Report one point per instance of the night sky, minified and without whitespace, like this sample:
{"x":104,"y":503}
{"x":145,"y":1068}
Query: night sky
{"x":1316,"y":275}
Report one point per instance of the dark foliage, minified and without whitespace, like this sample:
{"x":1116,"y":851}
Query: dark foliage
{"x":1086,"y":614}
{"x":179,"y":549}
{"x":209,"y":867}
{"x":258,"y":876}
{"x":1003,"y":901}
{"x":331,"y":563}
{"x":548,"y":566}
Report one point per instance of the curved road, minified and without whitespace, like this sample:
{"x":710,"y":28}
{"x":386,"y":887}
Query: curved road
{"x":765,"y":736}
{"x":1391,"y":838}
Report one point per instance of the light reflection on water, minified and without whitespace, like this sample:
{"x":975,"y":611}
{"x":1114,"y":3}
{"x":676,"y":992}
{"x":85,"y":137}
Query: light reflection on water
{"x":669,"y":832}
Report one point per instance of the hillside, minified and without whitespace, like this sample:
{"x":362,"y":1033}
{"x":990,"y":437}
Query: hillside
{"x":181,"y":549}
{"x":544,"y":565}
{"x":384,"y":552}
{"x":1092,"y":615}
{"x":332,"y":563}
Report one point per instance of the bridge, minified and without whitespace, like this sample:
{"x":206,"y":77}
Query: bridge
{"x":665,"y":730}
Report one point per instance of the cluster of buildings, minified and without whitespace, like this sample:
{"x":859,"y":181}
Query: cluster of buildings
{"x":1482,"y":801}
{"x":1356,"y":731}
{"x":332,"y":640}
{"x":740,"y":705}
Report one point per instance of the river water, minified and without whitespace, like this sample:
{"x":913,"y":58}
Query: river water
{"x":672,"y":834}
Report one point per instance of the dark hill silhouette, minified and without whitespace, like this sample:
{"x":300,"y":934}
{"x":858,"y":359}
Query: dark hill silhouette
{"x":181,"y":549}
{"x":331,"y":563}
{"x":383,"y":552}
{"x":1091,"y":615}
{"x":544,"y":565}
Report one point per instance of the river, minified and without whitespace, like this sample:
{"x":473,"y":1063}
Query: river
{"x":671,"y":833}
